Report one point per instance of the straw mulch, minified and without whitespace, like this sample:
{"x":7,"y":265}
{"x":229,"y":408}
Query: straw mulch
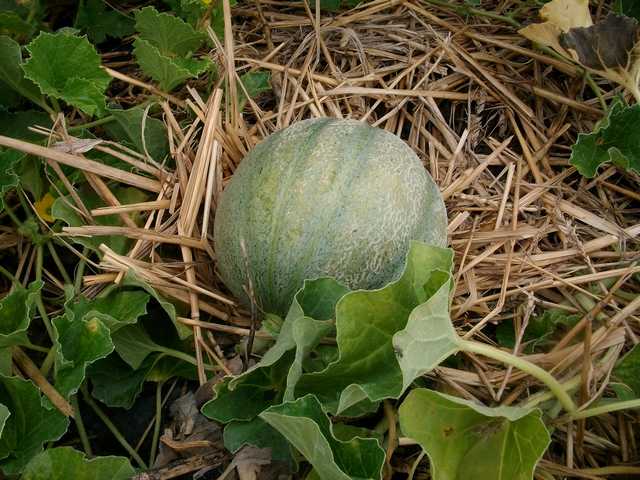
{"x":492,"y":119}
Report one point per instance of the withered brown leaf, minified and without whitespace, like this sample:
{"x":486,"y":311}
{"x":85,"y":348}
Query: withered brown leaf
{"x":606,"y":44}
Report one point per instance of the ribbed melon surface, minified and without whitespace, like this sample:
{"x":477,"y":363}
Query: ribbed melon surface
{"x":324,"y":197}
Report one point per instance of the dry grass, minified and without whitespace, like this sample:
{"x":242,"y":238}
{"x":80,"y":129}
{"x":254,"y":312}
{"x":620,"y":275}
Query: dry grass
{"x":493,"y":121}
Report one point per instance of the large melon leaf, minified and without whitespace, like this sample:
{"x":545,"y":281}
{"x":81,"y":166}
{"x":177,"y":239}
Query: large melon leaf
{"x":64,"y":462}
{"x":29,"y":424}
{"x":309,"y":429}
{"x":467,"y":440}
{"x":388,"y":337}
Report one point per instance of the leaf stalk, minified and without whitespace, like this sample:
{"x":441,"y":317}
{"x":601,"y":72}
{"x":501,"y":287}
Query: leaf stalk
{"x":527,"y":367}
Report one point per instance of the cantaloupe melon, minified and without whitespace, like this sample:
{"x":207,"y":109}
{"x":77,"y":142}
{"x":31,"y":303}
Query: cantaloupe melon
{"x":324,"y":197}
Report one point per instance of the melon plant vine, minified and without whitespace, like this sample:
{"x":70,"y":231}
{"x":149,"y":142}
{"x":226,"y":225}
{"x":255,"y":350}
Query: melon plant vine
{"x":385,"y":341}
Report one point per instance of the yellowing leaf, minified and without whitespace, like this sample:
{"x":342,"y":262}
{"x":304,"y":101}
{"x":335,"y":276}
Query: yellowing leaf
{"x":567,"y":14}
{"x":464,"y":439}
{"x":43,"y":207}
{"x":560,"y":16}
{"x":546,"y":34}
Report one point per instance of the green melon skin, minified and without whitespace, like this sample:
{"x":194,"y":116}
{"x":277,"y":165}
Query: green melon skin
{"x":324,"y":198}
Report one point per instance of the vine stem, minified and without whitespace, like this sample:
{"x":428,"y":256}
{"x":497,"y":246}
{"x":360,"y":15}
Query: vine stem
{"x":112,"y":428}
{"x":48,"y":361}
{"x":611,"y":407}
{"x":468,"y":10}
{"x":9,"y":275}
{"x":414,"y":467}
{"x":58,"y":262}
{"x":79,"y":273}
{"x":542,"y":397}
{"x":82,"y":432}
{"x":39,"y":303}
{"x":187,"y":358}
{"x":95,"y":123}
{"x":596,"y":89}
{"x":527,"y":367}
{"x":158,"y":424}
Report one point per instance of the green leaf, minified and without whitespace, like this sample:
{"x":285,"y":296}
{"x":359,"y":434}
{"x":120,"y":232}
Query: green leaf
{"x":466,"y":440}
{"x":83,"y":333}
{"x":165,"y":368}
{"x":64,"y":209}
{"x":9,"y":98}
{"x":11,"y":24}
{"x":115,"y":383}
{"x":163,"y":48}
{"x":116,"y":308}
{"x":345,"y":432}
{"x":63,"y":463}
{"x":275,"y":376}
{"x":540,"y":331}
{"x":622,"y":392}
{"x":255,"y":83}
{"x":610,"y":142}
{"x":78,"y":342}
{"x":308,"y":429}
{"x":6,"y":361}
{"x":18,"y":168}
{"x":260,"y":434}
{"x":85,"y":95}
{"x":9,"y":161}
{"x":168,"y":72}
{"x":168,"y":33}
{"x":28,"y":427}
{"x":100,"y":22}
{"x":4,"y":414}
{"x":189,"y":10}
{"x":11,"y":70}
{"x":328,"y":5}
{"x":217,"y":17}
{"x":16,"y":312}
{"x":64,"y":66}
{"x":19,"y":19}
{"x":253,"y":392}
{"x":22,"y":8}
{"x":133,"y":345}
{"x":128,"y":128}
{"x":30,"y":172}
{"x":388,"y":337}
{"x":16,"y":124}
{"x":130,"y":280}
{"x":627,"y":370}
{"x":308,"y":322}
{"x":630,"y":8}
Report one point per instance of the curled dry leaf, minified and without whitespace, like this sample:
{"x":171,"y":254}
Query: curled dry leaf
{"x":609,"y":47}
{"x":607,"y":44}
